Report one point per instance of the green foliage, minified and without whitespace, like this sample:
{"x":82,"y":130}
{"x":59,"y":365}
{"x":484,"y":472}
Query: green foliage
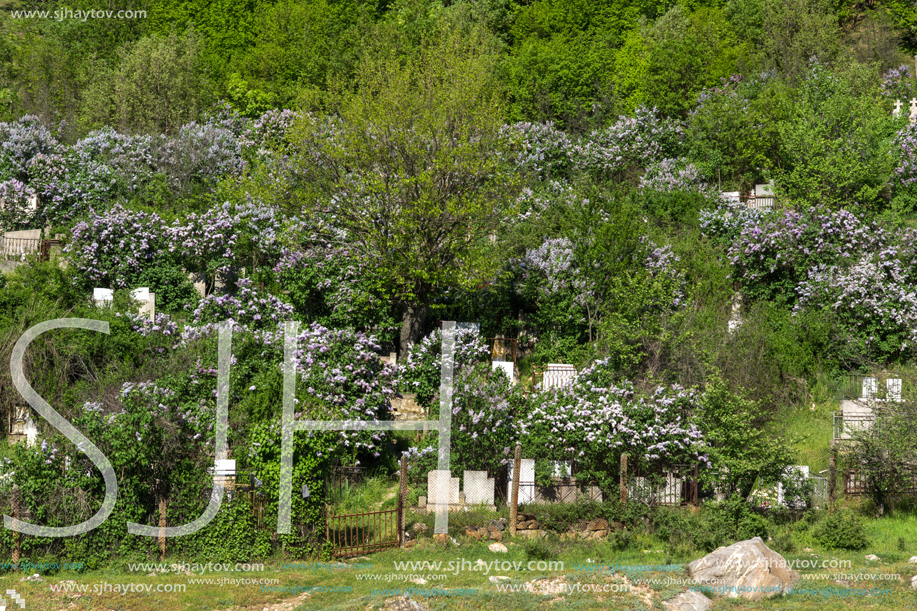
{"x":883,"y":452}
{"x":841,"y":530}
{"x":433,"y":125}
{"x":158,"y":85}
{"x":747,"y":452}
{"x":834,"y":142}
{"x":686,"y":53}
{"x":174,"y":291}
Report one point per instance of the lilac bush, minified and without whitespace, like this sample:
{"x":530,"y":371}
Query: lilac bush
{"x":20,"y":142}
{"x":540,"y":148}
{"x":199,"y":154}
{"x":419,"y":372}
{"x":904,"y":151}
{"x":69,"y":187}
{"x":899,"y":84}
{"x":550,"y":270}
{"x":676,"y":175}
{"x":875,"y":299}
{"x":771,"y":257}
{"x":111,"y":249}
{"x":631,"y":142}
{"x":248,"y":310}
{"x":594,"y":420}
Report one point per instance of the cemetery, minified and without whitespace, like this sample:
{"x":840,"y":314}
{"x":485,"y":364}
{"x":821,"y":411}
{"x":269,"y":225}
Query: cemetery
{"x":427,"y":306}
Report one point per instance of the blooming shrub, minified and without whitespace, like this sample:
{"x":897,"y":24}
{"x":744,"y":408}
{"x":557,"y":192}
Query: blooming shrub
{"x":631,"y":142}
{"x":675,"y":175}
{"x":420,"y":371}
{"x":112,"y":248}
{"x":248,"y":309}
{"x":198,"y":155}
{"x":875,"y":299}
{"x":540,"y":148}
{"x":483,"y":432}
{"x":20,"y":142}
{"x":899,"y":84}
{"x":593,"y":421}
{"x":770,"y":258}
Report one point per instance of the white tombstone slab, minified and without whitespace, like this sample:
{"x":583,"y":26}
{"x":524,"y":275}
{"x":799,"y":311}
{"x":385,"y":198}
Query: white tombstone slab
{"x":869,"y":388}
{"x":897,"y":110}
{"x":526,"y":481}
{"x":913,"y":116}
{"x":478,"y":487}
{"x":442,"y":489}
{"x":893,"y":389}
{"x":224,"y":466}
{"x":731,"y":198}
{"x":31,"y":431}
{"x":103,"y":297}
{"x":801,"y":469}
{"x":506,"y":367}
{"x":142,"y":294}
{"x":562,"y":468}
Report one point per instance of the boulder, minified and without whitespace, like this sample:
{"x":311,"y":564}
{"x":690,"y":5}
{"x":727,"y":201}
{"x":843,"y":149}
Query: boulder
{"x":687,"y":601}
{"x":497,"y":547}
{"x":747,"y":569}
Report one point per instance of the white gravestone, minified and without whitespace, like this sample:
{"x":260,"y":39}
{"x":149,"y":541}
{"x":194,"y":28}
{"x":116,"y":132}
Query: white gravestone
{"x":526,"y":481}
{"x":506,"y":367}
{"x":869,"y":388}
{"x":478,"y":488}
{"x":897,"y":111}
{"x":147,"y":302}
{"x":913,"y":116}
{"x":103,"y":297}
{"x":441,"y":488}
{"x":893,"y":389}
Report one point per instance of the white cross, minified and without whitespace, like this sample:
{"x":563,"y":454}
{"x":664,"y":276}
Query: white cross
{"x":913,"y":110}
{"x":897,"y":112}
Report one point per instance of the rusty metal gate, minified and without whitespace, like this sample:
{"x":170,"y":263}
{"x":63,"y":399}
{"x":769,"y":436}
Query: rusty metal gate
{"x":355,"y":534}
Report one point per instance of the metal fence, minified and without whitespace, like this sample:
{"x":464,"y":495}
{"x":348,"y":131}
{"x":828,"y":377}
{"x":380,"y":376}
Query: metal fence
{"x":361,"y":533}
{"x":566,"y":490}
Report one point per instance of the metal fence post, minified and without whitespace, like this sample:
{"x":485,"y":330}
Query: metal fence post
{"x":832,"y":477}
{"x":402,"y":493}
{"x":514,"y":497}
{"x":623,"y":483}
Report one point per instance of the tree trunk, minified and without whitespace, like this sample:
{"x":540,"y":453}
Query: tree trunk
{"x":412,"y":326}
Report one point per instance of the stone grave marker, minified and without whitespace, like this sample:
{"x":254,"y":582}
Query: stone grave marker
{"x":103,"y":297}
{"x":478,"y":488}
{"x":526,"y":481}
{"x":441,"y":488}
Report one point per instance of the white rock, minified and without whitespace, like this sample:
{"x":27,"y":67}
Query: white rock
{"x":872,"y":557}
{"x":913,"y":560}
{"x":419,"y":581}
{"x":497,"y":547}
{"x":498,"y":578}
{"x":480,"y":563}
{"x":748,"y":569}
{"x":688,"y":601}
{"x":914,"y":582}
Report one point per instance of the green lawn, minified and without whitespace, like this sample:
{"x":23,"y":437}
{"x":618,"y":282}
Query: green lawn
{"x":362,"y":584}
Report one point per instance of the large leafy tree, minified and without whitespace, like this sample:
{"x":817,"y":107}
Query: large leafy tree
{"x":408,"y":171}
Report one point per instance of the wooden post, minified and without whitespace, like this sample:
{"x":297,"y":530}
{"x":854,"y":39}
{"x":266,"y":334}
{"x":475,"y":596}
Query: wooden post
{"x":16,"y":514}
{"x":623,"y":483}
{"x":832,"y":477}
{"x":514,"y":497}
{"x":695,"y":493}
{"x":162,"y":528}
{"x":402,"y":493}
